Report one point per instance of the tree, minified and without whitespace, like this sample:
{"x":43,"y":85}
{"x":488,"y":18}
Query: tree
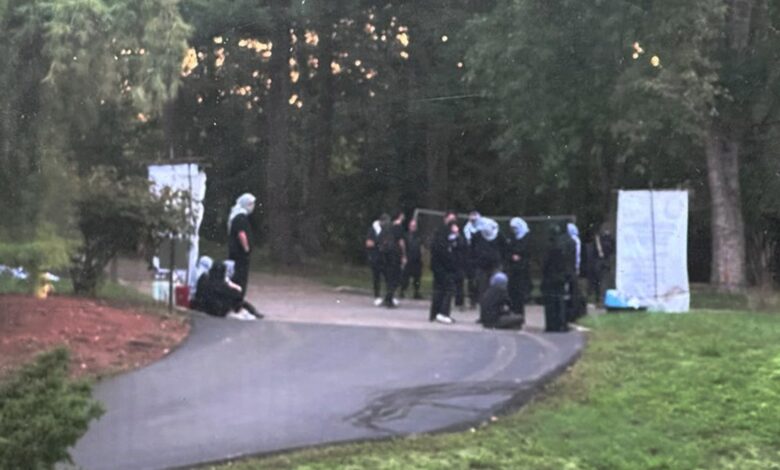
{"x":634,"y":87}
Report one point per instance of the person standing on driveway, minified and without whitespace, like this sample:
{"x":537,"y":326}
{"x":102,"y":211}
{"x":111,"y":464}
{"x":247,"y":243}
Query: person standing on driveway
{"x":240,"y":239}
{"x":554,"y":278}
{"x":518,"y":265}
{"x":392,"y":249}
{"x":444,"y":267}
{"x":413,"y":268}
{"x":375,"y":260}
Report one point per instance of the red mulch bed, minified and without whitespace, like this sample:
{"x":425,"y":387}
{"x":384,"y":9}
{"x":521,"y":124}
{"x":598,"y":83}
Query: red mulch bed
{"x":101,"y":338}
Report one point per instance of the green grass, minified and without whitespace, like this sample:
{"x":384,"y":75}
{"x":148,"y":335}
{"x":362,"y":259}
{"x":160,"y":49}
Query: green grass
{"x":652,"y":391}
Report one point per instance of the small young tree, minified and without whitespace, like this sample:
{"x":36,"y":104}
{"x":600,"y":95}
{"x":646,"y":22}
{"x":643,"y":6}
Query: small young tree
{"x":119,"y":213}
{"x":42,"y":413}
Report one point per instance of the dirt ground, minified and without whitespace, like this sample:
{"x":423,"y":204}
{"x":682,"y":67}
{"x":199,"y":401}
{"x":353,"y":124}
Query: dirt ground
{"x":102,"y":339}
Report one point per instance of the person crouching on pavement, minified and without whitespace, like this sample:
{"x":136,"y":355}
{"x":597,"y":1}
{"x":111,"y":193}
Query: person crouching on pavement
{"x":495,"y":307}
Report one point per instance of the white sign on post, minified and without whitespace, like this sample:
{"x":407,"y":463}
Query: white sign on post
{"x":185,"y":177}
{"x":652,"y":249}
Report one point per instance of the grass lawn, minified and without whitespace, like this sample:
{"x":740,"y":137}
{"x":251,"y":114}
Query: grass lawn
{"x":652,"y":391}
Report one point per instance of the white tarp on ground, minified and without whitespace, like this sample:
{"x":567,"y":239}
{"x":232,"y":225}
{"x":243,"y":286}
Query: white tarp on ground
{"x":185,"y":177}
{"x":652,"y":249}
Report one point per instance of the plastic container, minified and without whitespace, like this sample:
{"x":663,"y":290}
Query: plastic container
{"x":182,"y":296}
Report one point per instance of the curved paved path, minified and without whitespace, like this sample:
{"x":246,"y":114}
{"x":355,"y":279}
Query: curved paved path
{"x":323,"y":368}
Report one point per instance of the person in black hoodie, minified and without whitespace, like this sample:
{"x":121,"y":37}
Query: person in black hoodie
{"x":444,"y":267}
{"x":218,"y":296}
{"x":392,"y":249}
{"x":554,"y":275}
{"x":518,"y":265}
{"x":495,"y":308}
{"x":413,"y":268}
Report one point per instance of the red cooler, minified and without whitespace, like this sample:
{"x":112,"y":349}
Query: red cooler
{"x":182,"y":296}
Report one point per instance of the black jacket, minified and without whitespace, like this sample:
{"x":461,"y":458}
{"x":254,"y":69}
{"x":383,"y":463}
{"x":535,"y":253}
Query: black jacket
{"x":444,"y":254}
{"x":494,"y":304}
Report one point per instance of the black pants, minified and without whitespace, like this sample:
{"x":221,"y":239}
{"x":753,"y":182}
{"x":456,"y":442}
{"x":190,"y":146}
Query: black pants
{"x":595,"y":280}
{"x":391,"y":264}
{"x":241,"y":273}
{"x":517,"y":291}
{"x":555,"y":307}
{"x":413,"y":272}
{"x":376,"y":275}
{"x":443,"y":288}
{"x":575,"y":307}
{"x":483,"y":282}
{"x":460,"y":295}
{"x":471,"y":286}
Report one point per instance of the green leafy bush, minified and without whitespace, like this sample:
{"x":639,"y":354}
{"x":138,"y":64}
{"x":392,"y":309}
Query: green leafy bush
{"x":43,"y":413}
{"x":119,"y":213}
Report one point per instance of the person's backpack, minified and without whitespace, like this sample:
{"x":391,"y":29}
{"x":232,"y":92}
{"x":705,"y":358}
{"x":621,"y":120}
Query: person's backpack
{"x":386,"y":241}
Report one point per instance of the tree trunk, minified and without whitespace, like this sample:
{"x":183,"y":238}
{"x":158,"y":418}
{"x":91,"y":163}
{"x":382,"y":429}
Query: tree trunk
{"x":722,"y":150}
{"x":437,"y":156}
{"x":728,"y":228}
{"x":312,"y":227}
{"x":278,"y":168}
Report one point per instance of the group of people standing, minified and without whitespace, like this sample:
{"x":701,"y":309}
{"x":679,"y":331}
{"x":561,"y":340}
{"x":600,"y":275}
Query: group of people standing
{"x":477,"y":261}
{"x":221,"y":285}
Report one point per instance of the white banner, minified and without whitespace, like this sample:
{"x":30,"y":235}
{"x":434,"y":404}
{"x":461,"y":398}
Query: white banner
{"x":652,"y":249}
{"x":185,"y":177}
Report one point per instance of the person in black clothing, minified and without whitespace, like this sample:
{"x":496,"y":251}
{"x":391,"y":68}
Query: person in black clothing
{"x":392,"y":249}
{"x":240,"y":239}
{"x":575,"y":304}
{"x":462,"y":262}
{"x":413,"y":268}
{"x":489,"y":249}
{"x":375,"y":260}
{"x":495,"y":310}
{"x":218,"y":296}
{"x":518,"y":265}
{"x":599,"y":252}
{"x":554,"y":274}
{"x":469,"y":263}
{"x":443,"y":266}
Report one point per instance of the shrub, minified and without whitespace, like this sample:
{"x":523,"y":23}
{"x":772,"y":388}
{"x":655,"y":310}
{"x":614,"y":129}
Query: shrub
{"x":118,"y":213}
{"x":43,"y":413}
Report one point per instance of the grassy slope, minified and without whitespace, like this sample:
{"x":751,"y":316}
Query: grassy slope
{"x":651,"y":392}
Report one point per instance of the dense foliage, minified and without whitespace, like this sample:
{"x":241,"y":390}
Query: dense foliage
{"x":43,"y":413}
{"x":117,"y":214}
{"x":332,"y":113}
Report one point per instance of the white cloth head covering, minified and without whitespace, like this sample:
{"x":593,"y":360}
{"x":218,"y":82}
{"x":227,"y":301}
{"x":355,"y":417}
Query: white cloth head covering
{"x":574,"y":233}
{"x":204,"y":264}
{"x":520,"y":227}
{"x":244,"y":205}
{"x":499,"y":279}
{"x":471,"y":226}
{"x":488,"y":228}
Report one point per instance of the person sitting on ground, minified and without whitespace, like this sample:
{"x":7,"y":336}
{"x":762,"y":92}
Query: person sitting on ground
{"x":218,"y":296}
{"x":495,"y":307}
{"x":201,"y":272}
